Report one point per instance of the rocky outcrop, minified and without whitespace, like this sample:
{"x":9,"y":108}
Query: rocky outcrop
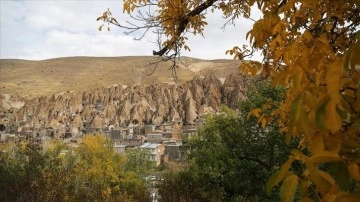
{"x":119,"y":104}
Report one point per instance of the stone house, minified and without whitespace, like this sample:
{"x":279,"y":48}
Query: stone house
{"x":4,"y":137}
{"x":116,"y":134}
{"x":134,"y":130}
{"x":119,"y":148}
{"x":155,"y":138}
{"x":165,"y":127}
{"x":176,"y":134}
{"x":128,"y":142}
{"x":155,"y":152}
{"x":177,"y":123}
{"x":176,"y":151}
{"x":149,"y":129}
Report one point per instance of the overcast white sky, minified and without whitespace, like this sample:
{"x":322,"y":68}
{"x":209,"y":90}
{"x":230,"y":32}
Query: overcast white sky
{"x":43,"y":29}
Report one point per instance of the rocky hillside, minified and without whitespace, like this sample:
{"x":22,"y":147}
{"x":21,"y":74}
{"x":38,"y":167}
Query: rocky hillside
{"x":211,"y":85}
{"x":120,"y":104}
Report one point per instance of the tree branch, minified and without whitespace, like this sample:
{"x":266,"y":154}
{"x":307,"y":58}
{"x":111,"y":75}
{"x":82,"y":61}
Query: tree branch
{"x":183,"y":23}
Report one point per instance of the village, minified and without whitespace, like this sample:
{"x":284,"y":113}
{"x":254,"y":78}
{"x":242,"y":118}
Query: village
{"x":164,"y":142}
{"x":153,"y":122}
{"x":161,"y":118}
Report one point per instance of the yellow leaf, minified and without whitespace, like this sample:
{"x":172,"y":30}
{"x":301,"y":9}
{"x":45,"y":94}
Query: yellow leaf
{"x":310,"y":99}
{"x":298,"y":155}
{"x":263,"y":122}
{"x":321,"y":102}
{"x":296,"y":115}
{"x":317,"y":144}
{"x":332,"y":119}
{"x":277,"y":177}
{"x":298,"y":80}
{"x":279,"y":78}
{"x":354,"y":171}
{"x":282,"y":115}
{"x":277,"y":55}
{"x":254,"y":112}
{"x":253,"y":70}
{"x":333,"y":143}
{"x":273,"y":45}
{"x":333,"y":80}
{"x":319,"y":77}
{"x":277,"y":28}
{"x":322,"y":185}
{"x":352,"y":197}
{"x":288,"y":188}
{"x":325,"y":157}
{"x":323,"y":39}
{"x":328,"y":27}
{"x":307,"y":35}
{"x":126,"y":7}
{"x":245,"y":69}
{"x":304,"y":186}
{"x":327,"y":177}
{"x":286,"y":58}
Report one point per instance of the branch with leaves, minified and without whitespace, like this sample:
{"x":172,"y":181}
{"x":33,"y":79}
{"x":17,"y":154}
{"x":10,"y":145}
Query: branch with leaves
{"x":309,"y":47}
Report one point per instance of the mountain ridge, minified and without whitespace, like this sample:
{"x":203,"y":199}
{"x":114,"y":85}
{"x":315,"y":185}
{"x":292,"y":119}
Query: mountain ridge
{"x":31,"y":78}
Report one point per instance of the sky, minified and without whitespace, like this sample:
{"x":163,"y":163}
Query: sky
{"x":44,"y":29}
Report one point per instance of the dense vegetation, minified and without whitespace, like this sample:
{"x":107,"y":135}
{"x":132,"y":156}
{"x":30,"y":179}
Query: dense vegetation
{"x":92,"y":172}
{"x":232,"y":157}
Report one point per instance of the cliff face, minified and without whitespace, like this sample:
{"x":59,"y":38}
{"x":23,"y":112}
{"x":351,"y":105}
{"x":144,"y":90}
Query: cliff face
{"x":119,"y":105}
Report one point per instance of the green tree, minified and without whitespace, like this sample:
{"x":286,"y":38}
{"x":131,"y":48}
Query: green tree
{"x":92,"y":172}
{"x":29,"y":173}
{"x":232,"y":156}
{"x":137,"y":161}
{"x":180,"y":186}
{"x":100,"y":174}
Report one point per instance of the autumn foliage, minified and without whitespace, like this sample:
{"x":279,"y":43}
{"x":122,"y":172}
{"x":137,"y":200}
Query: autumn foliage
{"x":312,"y":48}
{"x":32,"y":171}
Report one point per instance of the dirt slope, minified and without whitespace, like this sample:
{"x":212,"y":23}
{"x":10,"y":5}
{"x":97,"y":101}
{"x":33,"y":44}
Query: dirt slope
{"x":36,"y":78}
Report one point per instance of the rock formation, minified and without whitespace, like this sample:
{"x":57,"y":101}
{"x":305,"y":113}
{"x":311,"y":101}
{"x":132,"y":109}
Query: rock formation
{"x":120,"y":105}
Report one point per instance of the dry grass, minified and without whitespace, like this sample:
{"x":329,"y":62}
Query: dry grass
{"x":47,"y":77}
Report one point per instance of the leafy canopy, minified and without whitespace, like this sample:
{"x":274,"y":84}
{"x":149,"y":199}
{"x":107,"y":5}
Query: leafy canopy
{"x":92,"y":172}
{"x":310,"y":47}
{"x":228,"y":148}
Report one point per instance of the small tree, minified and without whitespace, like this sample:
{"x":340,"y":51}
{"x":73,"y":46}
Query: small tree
{"x":100,"y":173}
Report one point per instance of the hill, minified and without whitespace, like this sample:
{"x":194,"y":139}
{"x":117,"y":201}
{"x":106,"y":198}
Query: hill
{"x":46,"y":77}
